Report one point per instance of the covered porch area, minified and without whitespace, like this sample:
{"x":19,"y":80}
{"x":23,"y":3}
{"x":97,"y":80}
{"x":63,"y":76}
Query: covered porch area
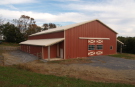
{"x":51,"y":49}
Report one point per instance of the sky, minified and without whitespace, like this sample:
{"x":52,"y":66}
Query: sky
{"x":117,"y":14}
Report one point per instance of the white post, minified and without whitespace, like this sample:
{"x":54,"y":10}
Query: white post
{"x":49,"y":53}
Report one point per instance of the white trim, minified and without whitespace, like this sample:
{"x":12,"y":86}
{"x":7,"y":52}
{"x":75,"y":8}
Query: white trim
{"x":49,"y":53}
{"x":58,"y":29}
{"x":42,"y":52}
{"x":93,"y":38}
{"x":120,"y":41}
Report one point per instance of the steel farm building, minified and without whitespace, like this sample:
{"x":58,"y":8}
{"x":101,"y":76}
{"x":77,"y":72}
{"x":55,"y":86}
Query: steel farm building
{"x":79,"y":40}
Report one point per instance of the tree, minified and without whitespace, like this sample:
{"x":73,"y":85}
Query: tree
{"x":31,"y":30}
{"x":129,"y":44}
{"x":12,"y":33}
{"x":26,"y":25}
{"x":49,"y":26}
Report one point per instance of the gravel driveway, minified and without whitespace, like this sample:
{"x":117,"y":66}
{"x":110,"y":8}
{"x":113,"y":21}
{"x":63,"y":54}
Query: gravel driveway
{"x":17,"y":57}
{"x":112,"y":62}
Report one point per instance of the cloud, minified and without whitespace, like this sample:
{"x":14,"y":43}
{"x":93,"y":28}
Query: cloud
{"x":117,"y":14}
{"x":5,"y":2}
{"x":46,"y":17}
{"x":11,"y":7}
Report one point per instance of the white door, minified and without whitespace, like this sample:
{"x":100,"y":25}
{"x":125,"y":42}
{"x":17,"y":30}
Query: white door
{"x":61,"y":53}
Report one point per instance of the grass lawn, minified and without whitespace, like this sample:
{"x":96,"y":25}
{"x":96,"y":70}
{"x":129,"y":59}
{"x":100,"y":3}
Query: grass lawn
{"x":124,"y":55}
{"x":13,"y":77}
{"x":9,"y":44}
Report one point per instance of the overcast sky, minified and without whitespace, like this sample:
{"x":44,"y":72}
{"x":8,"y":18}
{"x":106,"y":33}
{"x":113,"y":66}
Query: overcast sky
{"x":117,"y":14}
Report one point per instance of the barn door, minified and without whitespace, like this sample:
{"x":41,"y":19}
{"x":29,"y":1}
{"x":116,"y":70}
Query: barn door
{"x":99,"y":47}
{"x":95,"y":47}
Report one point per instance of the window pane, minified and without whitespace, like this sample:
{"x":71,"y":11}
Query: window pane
{"x":91,"y":47}
{"x":99,"y":47}
{"x":111,"y":47}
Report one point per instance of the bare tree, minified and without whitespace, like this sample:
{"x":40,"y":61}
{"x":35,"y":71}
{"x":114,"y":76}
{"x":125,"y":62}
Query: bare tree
{"x":25,"y":22}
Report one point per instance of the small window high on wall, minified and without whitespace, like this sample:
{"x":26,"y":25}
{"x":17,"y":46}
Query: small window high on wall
{"x":111,"y":47}
{"x":91,"y":47}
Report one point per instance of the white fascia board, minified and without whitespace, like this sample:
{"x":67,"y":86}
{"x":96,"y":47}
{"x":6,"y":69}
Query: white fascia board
{"x":94,"y":38}
{"x":120,"y":41}
{"x":54,"y":43}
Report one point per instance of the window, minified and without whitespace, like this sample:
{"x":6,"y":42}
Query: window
{"x":91,"y":47}
{"x":111,"y":47}
{"x":99,"y":47}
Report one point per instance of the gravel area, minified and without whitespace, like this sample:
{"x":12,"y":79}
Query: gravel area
{"x":112,"y":62}
{"x":25,"y":57}
{"x":17,"y":57}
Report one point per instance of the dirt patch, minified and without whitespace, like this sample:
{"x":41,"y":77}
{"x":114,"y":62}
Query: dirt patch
{"x":85,"y":72}
{"x":77,"y":68}
{"x":72,"y":61}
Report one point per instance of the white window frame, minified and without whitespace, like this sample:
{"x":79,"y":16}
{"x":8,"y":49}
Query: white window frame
{"x":97,"y":46}
{"x":94,"y":47}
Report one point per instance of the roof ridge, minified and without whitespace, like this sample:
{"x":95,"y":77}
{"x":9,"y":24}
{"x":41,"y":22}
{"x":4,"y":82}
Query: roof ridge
{"x":68,"y":27}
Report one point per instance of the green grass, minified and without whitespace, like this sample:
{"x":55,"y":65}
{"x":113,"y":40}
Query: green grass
{"x":9,"y":44}
{"x":13,"y":77}
{"x":72,"y":61}
{"x":124,"y":55}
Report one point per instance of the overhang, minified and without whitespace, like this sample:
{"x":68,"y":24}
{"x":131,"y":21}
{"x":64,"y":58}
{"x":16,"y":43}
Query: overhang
{"x":120,"y":41}
{"x":42,"y":42}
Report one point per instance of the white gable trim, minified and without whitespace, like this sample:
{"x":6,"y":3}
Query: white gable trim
{"x":94,"y":38}
{"x":63,"y":28}
{"x":120,"y":41}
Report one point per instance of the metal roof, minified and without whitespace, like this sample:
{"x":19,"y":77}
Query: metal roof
{"x":43,"y":42}
{"x":58,"y":29}
{"x":120,"y":41}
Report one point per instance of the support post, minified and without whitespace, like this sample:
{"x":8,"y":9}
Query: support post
{"x":42,"y":52}
{"x":49,"y":53}
{"x":121,"y":48}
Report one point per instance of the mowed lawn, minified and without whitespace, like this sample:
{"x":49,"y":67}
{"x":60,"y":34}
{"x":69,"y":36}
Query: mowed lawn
{"x":14,"y":77}
{"x":124,"y":55}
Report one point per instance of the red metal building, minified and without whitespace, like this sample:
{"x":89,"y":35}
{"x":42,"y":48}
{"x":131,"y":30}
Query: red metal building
{"x":85,"y":39}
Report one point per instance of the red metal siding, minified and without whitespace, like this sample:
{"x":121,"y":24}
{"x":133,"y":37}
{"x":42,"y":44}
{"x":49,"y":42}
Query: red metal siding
{"x":49,"y":35}
{"x":31,"y":49}
{"x":53,"y":51}
{"x":35,"y":49}
{"x":45,"y":52}
{"x":76,"y":47}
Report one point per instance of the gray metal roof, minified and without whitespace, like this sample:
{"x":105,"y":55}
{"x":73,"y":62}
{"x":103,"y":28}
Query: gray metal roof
{"x":68,"y":27}
{"x":43,"y":42}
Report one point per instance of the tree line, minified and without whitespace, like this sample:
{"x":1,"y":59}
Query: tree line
{"x":18,"y":30}
{"x":129,"y":44}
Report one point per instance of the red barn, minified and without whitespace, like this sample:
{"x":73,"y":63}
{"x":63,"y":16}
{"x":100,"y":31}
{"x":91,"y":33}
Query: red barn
{"x":84,"y":39}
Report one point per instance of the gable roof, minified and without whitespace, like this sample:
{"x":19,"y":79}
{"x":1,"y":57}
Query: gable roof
{"x":58,"y":29}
